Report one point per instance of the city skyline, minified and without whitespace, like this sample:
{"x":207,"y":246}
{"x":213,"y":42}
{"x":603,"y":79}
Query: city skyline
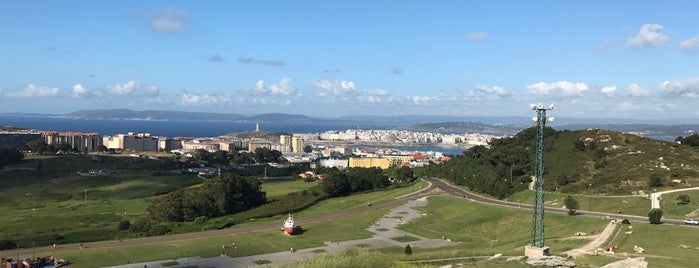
{"x":593,"y":59}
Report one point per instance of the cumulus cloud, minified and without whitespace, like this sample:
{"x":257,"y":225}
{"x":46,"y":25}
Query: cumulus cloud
{"x":558,"y":88}
{"x":686,"y":88}
{"x":477,"y":36}
{"x":649,"y":35}
{"x":169,"y":20}
{"x":689,"y":45}
{"x":490,"y":92}
{"x":627,"y":106}
{"x":131,"y":88}
{"x":204,"y":99}
{"x":259,"y":61}
{"x":608,"y":90}
{"x":333,"y":88}
{"x":284,"y":88}
{"x":637,"y":91}
{"x":78,"y":90}
{"x":35,"y":91}
{"x":216,"y":58}
{"x":420,"y":100}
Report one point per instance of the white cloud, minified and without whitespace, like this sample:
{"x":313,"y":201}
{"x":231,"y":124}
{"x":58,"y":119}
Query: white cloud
{"x":686,"y":88}
{"x":169,"y":20}
{"x":477,"y":36}
{"x":558,"y":88}
{"x":489,"y":92}
{"x":35,"y":91}
{"x":131,"y":88}
{"x":649,"y":35}
{"x":627,"y":106}
{"x":637,"y":91}
{"x":78,"y":90}
{"x":334,"y":88}
{"x":283,"y":88}
{"x":689,"y":45}
{"x":419,"y":100}
{"x":608,"y":90}
{"x":204,"y":99}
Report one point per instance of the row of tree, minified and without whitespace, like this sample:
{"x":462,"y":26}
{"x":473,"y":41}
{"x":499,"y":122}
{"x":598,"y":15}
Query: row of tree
{"x":219,"y":196}
{"x":41,"y":147}
{"x":10,"y":156}
{"x":500,"y":170}
{"x":345,"y":182}
{"x":260,"y":155}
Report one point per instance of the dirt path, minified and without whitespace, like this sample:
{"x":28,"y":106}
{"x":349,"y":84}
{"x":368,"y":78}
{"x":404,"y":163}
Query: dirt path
{"x":594,"y":244}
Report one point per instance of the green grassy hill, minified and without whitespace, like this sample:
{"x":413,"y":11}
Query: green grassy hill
{"x":625,"y":166}
{"x":609,"y":162}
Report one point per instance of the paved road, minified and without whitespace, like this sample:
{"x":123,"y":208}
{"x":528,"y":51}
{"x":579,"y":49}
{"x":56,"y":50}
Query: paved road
{"x":453,"y":190}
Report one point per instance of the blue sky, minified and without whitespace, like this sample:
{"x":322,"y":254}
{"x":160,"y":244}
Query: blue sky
{"x":593,"y":59}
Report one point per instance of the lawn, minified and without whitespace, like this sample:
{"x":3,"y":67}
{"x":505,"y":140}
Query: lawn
{"x":56,"y":205}
{"x":488,"y":230}
{"x":630,"y":205}
{"x":354,"y":227}
{"x":275,"y":188}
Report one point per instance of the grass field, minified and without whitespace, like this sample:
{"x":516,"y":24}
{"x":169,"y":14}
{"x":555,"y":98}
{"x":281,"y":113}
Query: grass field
{"x":275,"y":188}
{"x":354,"y":227}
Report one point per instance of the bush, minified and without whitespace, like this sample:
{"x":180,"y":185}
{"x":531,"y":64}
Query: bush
{"x":655,"y":215}
{"x":159,"y":229}
{"x":124,"y":225}
{"x":625,"y":221}
{"x":408,"y":250}
{"x":200,"y":220}
{"x":7,"y":244}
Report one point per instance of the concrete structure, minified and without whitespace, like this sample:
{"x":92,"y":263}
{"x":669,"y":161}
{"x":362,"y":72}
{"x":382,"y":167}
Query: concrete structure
{"x":81,"y":142}
{"x":15,"y":139}
{"x":367,"y":162}
{"x":334,"y":162}
{"x":297,"y":144}
{"x":140,"y":142}
{"x":252,"y":145}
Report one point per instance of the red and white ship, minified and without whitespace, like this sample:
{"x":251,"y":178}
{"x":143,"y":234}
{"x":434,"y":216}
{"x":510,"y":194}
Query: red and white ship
{"x":290,"y":226}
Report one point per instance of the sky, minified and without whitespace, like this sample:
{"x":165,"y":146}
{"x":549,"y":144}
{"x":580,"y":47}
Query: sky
{"x":592,"y":59}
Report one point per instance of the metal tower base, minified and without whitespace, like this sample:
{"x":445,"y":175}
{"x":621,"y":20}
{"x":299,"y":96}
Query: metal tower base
{"x":535,"y":252}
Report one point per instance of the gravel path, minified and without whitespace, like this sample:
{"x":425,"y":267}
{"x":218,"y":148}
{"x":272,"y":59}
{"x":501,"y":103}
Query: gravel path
{"x":594,"y":244}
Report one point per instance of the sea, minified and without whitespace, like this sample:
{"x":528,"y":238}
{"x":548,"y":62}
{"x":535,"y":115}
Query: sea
{"x":191,"y":128}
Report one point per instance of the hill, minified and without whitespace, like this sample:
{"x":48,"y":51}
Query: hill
{"x":610,"y":162}
{"x":465,"y":127}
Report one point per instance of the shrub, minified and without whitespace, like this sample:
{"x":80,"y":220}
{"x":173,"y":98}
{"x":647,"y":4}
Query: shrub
{"x":124,"y":225}
{"x":200,"y":220}
{"x":408,"y":250}
{"x":625,"y":221}
{"x":159,"y":229}
{"x":7,"y":244}
{"x":655,"y":215}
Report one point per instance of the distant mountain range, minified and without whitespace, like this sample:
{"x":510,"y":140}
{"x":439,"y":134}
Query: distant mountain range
{"x":498,"y":125}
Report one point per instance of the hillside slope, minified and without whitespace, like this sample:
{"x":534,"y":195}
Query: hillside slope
{"x":612,"y":162}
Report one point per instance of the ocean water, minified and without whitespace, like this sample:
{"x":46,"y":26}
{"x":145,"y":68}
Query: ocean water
{"x":179,"y":128}
{"x":190,"y":128}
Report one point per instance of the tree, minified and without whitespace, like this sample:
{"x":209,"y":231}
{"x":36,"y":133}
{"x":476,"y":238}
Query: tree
{"x":408,"y":250}
{"x":683,"y":199}
{"x":10,"y":156}
{"x":655,"y":215}
{"x":124,"y":225}
{"x":335,"y":184}
{"x":571,"y":204}
{"x":655,"y":180}
{"x":102,"y":148}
